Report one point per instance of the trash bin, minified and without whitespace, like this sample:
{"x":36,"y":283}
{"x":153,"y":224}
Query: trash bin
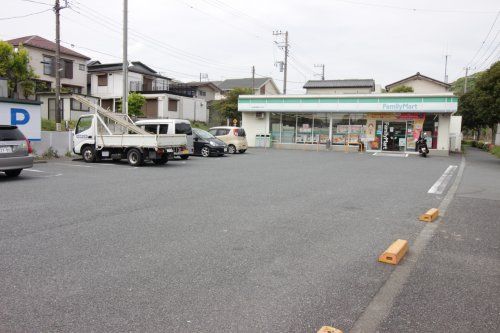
{"x":263,"y":140}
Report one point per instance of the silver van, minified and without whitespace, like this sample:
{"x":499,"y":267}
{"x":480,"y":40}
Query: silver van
{"x":170,"y":126}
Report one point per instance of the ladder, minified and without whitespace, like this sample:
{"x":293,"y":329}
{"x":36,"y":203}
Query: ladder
{"x":120,"y":119}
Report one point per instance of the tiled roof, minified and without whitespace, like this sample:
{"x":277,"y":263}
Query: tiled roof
{"x":242,"y":83}
{"x":417,"y":76}
{"x":44,"y":44}
{"x":137,"y":67}
{"x":350,"y":83}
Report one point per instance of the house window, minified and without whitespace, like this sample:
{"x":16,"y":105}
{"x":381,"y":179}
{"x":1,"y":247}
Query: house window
{"x":67,"y":69}
{"x":202,"y":93}
{"x":102,"y":80}
{"x":77,"y":106}
{"x":173,"y":105}
{"x":48,"y":65}
{"x":81,"y":67}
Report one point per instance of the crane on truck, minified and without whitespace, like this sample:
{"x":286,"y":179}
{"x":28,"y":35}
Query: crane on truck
{"x":109,"y":135}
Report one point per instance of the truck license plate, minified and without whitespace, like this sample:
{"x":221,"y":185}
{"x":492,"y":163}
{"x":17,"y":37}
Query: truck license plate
{"x":6,"y":150}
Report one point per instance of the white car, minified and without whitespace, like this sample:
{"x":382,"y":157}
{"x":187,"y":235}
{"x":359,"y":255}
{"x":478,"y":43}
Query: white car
{"x":170,"y":126}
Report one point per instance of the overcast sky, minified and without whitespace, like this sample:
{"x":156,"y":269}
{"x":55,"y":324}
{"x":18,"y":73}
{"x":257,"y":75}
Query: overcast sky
{"x":386,"y":40}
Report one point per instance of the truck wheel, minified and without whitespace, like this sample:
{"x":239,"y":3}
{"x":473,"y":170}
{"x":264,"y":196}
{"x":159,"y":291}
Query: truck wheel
{"x":161,"y":161}
{"x":134,"y":157}
{"x":89,"y":154}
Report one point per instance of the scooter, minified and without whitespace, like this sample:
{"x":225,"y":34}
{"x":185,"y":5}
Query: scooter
{"x":423,"y":150}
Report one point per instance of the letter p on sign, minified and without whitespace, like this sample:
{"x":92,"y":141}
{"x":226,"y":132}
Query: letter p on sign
{"x":19,"y":116}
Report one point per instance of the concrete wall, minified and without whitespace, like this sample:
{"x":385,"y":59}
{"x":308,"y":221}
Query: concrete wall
{"x":456,"y":133}
{"x":333,"y":91}
{"x":254,"y":126}
{"x":79,"y":76}
{"x":443,"y":140}
{"x":424,"y":87}
{"x":59,"y":141}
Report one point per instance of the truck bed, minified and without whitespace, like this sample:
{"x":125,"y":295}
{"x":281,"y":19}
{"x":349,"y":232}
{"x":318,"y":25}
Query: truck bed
{"x":140,"y":140}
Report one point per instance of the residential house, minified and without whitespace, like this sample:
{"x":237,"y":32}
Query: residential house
{"x":261,"y":86}
{"x":73,"y":76}
{"x":42,"y":58}
{"x":206,"y":90}
{"x":421,"y":84}
{"x":164,"y":97}
{"x":335,"y":87}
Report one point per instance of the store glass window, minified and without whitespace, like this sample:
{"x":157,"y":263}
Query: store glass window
{"x":357,"y":127}
{"x":275,"y":127}
{"x":304,"y":128}
{"x":289,"y":122}
{"x":340,"y":128}
{"x":321,"y":128}
{"x":431,"y":124}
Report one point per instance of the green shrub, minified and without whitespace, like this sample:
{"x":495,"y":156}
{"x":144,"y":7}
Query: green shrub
{"x":50,"y":125}
{"x":495,"y":151}
{"x":467,"y":142}
{"x":480,"y":144}
{"x":51,"y":153}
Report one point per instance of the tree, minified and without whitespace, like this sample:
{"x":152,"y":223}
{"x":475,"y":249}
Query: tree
{"x":135,"y":103}
{"x":228,"y":107}
{"x":15,"y":67}
{"x":480,"y":106}
{"x":402,"y":89}
{"x":458,"y":86}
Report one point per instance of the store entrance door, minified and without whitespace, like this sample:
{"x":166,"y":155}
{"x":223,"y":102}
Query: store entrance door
{"x":394,"y":136}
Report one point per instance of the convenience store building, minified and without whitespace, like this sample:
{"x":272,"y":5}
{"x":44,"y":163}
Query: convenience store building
{"x":383,"y":122}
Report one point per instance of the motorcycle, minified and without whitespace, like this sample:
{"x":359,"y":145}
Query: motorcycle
{"x":421,"y":146}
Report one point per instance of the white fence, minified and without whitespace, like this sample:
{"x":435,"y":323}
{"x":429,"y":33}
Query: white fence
{"x":59,"y":141}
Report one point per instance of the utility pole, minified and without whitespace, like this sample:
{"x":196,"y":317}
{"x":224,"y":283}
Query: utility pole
{"x":446,"y":68}
{"x":253,"y":80}
{"x":125,"y":59}
{"x":284,"y":64}
{"x":466,"y":75}
{"x":57,"y":8}
{"x":322,"y":66}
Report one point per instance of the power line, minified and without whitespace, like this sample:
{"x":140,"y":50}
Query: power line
{"x":487,"y":49}
{"x":486,"y":38}
{"x":39,"y":2}
{"x":415,"y":9}
{"x":485,"y":61}
{"x":26,"y":15}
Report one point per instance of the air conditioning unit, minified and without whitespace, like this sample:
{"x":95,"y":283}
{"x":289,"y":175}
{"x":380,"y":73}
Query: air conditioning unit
{"x":259,"y":115}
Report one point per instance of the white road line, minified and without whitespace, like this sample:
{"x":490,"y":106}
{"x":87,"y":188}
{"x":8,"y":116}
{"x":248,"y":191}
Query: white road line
{"x":74,"y":165}
{"x":33,"y":170}
{"x":442,"y":182}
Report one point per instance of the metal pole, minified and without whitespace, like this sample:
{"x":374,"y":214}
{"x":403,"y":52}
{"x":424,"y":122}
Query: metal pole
{"x":125,"y":60}
{"x":253,"y":80}
{"x":445,"y":68}
{"x":58,"y":68}
{"x":286,"y":63}
{"x":465,"y":83}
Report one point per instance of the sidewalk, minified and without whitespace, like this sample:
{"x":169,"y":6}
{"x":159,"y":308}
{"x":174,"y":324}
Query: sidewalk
{"x":455,"y":286}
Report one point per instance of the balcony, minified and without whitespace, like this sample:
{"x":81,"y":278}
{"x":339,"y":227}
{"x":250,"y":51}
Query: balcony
{"x":139,"y":86}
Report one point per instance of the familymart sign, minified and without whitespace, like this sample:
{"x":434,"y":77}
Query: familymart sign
{"x":445,"y":103}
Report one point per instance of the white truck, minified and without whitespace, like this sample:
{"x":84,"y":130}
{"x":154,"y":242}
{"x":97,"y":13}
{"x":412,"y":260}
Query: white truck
{"x":105,"y":134}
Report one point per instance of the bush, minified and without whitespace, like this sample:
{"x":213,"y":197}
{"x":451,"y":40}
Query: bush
{"x":467,"y":142}
{"x":50,"y":125}
{"x":480,"y":144}
{"x":495,"y":151}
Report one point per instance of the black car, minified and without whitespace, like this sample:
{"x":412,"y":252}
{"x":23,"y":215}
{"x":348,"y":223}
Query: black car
{"x":205,"y":144}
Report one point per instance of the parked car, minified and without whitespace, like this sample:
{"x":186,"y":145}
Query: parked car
{"x":170,"y":126}
{"x":15,"y":151}
{"x":234,"y":137}
{"x":205,"y":144}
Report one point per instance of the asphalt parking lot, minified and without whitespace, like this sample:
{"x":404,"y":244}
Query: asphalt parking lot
{"x":267,"y":241}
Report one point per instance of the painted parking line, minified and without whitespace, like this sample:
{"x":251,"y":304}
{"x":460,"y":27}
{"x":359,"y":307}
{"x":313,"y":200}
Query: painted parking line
{"x":74,"y":165}
{"x":390,"y":154}
{"x":442,"y":182}
{"x":33,"y":170}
